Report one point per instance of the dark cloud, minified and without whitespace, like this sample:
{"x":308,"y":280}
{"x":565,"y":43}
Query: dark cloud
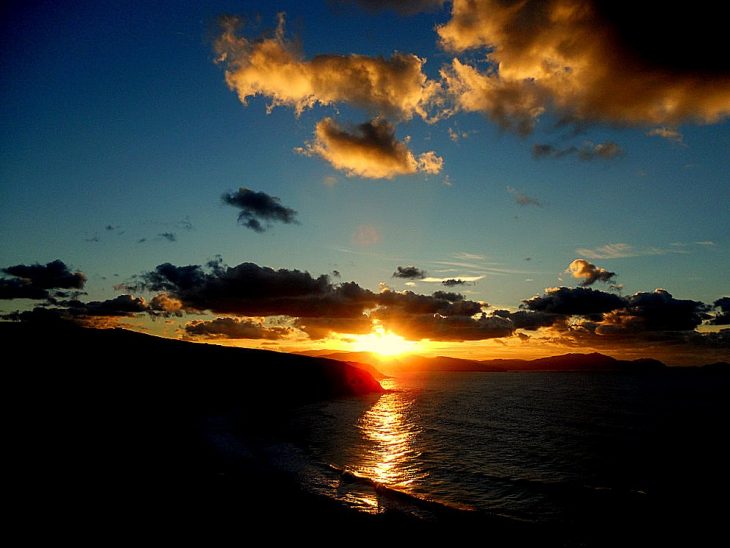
{"x":689,"y":347}
{"x":319,"y":306}
{"x":448,"y":296}
{"x":523,"y":199}
{"x":458,"y":327}
{"x":121,"y":305}
{"x":662,"y":312}
{"x":403,"y":7}
{"x":713,"y":340}
{"x":39,"y":316}
{"x":236,"y":328}
{"x":19,"y":289}
{"x":251,"y":290}
{"x":49,"y":276}
{"x":406,"y":303}
{"x":437,"y":317}
{"x":453,"y":282}
{"x":652,"y":316}
{"x":169,"y":236}
{"x":588,"y":60}
{"x":654,"y":311}
{"x":320,"y":328}
{"x":646,"y":323}
{"x":258,"y":209}
{"x":368,"y":150}
{"x":589,"y":273}
{"x":409,"y":273}
{"x":78,"y":312}
{"x":647,"y":35}
{"x":586,"y":152}
{"x":529,"y":320}
{"x":574,"y":301}
{"x":542,"y":150}
{"x":141,"y":240}
{"x":723,"y":315}
{"x":277,"y":304}
{"x":34,"y":281}
{"x":110,"y":227}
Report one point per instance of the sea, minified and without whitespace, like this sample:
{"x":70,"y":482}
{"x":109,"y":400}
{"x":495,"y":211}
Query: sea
{"x":588,"y":449}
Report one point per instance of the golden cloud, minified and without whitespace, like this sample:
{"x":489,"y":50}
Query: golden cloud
{"x":581,"y":269}
{"x":571,"y":55}
{"x":275,"y":68}
{"x":369,"y":150}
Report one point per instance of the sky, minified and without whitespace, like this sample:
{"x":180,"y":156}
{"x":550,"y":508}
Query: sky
{"x":481,"y":179}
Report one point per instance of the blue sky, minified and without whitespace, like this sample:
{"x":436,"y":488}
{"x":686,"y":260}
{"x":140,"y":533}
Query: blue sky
{"x":117,"y":115}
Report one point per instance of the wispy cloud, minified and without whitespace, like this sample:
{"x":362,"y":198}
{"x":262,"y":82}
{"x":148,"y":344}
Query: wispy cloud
{"x":366,"y":236}
{"x":431,"y":279}
{"x":624,"y":250}
{"x":523,"y":199}
{"x":408,"y":7}
{"x":668,"y":133}
{"x":482,"y":268}
{"x":586,"y":152}
{"x":686,"y":245}
{"x":469,"y":256}
{"x":618,"y":251}
{"x":460,"y":264}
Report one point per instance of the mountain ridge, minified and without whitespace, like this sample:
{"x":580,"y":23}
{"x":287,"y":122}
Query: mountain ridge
{"x":574,"y":361}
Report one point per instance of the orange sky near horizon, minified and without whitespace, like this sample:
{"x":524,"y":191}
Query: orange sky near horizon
{"x":530,"y":345}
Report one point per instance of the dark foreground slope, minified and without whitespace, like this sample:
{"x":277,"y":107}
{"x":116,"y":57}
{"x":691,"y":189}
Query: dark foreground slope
{"x":113,"y":433}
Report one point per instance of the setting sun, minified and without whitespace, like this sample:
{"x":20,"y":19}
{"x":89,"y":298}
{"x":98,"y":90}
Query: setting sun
{"x":384,"y":343}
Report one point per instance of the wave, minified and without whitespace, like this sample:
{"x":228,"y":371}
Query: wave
{"x":387,"y":494}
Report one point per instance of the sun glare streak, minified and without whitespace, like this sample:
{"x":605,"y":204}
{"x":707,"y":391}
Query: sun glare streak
{"x":391,"y":458}
{"x":384,"y":343}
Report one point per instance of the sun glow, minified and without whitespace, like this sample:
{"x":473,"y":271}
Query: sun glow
{"x":384,"y":343}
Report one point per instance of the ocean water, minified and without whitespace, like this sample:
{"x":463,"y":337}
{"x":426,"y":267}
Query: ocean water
{"x":551,"y":447}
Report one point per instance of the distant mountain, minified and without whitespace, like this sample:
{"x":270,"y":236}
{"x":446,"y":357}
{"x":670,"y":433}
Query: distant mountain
{"x":578,"y":362}
{"x":411,"y":362}
{"x":723,"y":367}
{"x":565,"y":362}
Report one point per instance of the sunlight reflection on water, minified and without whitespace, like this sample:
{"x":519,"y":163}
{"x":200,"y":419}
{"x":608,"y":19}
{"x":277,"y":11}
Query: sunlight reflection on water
{"x":390,"y":428}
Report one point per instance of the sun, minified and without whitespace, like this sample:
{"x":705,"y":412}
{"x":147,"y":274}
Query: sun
{"x":384,"y":343}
